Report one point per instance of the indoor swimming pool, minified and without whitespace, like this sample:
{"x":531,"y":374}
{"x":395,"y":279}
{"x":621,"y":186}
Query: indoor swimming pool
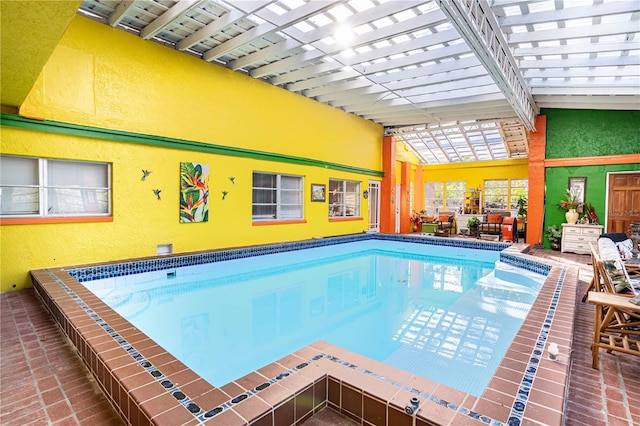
{"x":446,"y":315}
{"x":384,"y":311}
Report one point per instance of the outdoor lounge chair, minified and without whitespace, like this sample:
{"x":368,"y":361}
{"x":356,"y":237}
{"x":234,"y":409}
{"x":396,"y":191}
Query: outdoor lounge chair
{"x":617,"y":316}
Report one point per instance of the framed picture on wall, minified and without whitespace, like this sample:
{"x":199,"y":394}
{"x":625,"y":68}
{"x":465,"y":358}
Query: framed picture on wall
{"x":318,"y":192}
{"x":578,"y":186}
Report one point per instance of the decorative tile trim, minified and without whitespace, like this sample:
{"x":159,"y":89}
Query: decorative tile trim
{"x":98,"y":272}
{"x":243,"y":396}
{"x":520,"y":403}
{"x":528,"y":264}
{"x":167,"y":384}
{"x":432,"y":397}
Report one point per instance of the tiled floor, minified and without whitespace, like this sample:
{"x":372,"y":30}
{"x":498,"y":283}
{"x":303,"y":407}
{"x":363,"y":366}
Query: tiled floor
{"x":43,"y":381}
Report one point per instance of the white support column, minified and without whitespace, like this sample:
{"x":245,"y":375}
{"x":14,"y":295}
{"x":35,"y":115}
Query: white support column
{"x":478,"y":26}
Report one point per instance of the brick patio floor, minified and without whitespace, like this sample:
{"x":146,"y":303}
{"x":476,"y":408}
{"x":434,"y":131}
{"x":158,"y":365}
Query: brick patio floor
{"x":44,"y":382}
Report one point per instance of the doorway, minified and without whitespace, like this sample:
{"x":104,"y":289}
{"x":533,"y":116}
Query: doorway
{"x":374,"y":206}
{"x":623,"y":201}
{"x":397,"y":205}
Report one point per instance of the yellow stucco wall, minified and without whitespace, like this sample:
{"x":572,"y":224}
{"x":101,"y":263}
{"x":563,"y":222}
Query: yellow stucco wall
{"x":475,"y":173}
{"x":101,"y":77}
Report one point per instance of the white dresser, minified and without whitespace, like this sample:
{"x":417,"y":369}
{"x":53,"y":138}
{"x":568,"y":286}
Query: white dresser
{"x":576,"y":238}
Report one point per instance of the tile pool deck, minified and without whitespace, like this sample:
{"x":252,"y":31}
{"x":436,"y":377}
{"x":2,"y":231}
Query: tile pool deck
{"x":38,"y":366}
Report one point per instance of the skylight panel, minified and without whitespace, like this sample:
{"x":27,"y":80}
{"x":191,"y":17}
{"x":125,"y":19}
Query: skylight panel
{"x":519,"y":29}
{"x":320,"y":20}
{"x":421,"y":32}
{"x":361,"y":5}
{"x":612,"y":19}
{"x":292,"y":4}
{"x":382,"y":43}
{"x":545,"y":26}
{"x":577,"y":23}
{"x":340,"y":12}
{"x":512,"y":10}
{"x":328,"y":40}
{"x":443,"y":27}
{"x":383,"y":22}
{"x":304,"y":27}
{"x":548,"y":43}
{"x":404,"y":15}
{"x":278,"y":10}
{"x":617,"y":38}
{"x":363,"y":29}
{"x":578,"y":41}
{"x":363,"y":49}
{"x":349,"y":53}
{"x":401,"y":39}
{"x":545,"y":6}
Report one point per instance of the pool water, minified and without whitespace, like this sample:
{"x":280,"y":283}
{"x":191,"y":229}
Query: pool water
{"x":442,"y":313}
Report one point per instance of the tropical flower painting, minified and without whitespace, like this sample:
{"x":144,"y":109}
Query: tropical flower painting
{"x":194,"y":192}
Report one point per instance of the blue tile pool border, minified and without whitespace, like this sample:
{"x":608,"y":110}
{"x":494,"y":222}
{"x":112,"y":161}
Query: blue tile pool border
{"x":97,"y":272}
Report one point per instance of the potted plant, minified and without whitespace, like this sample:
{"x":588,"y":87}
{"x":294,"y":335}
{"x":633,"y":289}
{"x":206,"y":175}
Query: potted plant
{"x":570,"y":204}
{"x":473,"y":224}
{"x":554,"y":235}
{"x":415,"y":221}
{"x":522,"y":207}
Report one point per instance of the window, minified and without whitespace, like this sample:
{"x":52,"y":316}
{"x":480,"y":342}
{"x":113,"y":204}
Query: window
{"x":496,"y":194}
{"x":277,"y":197}
{"x":519,"y":188}
{"x":433,"y":197}
{"x":38,"y":187}
{"x":344,"y":198}
{"x":455,"y":195}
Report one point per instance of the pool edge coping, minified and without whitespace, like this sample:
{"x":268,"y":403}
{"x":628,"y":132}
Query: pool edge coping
{"x":67,"y":315}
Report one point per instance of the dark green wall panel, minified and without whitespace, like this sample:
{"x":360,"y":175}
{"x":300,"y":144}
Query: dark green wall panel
{"x":587,"y":133}
{"x":557,"y":179}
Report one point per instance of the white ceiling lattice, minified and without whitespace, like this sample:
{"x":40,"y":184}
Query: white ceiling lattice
{"x":456,"y":80}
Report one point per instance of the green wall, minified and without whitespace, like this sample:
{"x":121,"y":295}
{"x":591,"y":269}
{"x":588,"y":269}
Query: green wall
{"x":586,"y":133}
{"x":591,"y":133}
{"x":557,"y":179}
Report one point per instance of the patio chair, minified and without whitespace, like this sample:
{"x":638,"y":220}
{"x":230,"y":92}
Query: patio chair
{"x":596,"y":282}
{"x":447,"y":222}
{"x":613,"y":252}
{"x":617,"y":316}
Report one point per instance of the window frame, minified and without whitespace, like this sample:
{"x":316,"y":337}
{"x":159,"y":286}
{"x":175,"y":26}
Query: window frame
{"x":341,"y":199}
{"x":435,"y":204}
{"x":461,"y":187}
{"x":515,"y":191}
{"x":502,"y":197}
{"x":46,"y":188}
{"x":279,"y":215}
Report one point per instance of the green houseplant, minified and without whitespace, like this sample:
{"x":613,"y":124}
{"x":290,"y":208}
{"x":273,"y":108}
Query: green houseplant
{"x":473,"y":224}
{"x":554,"y":235}
{"x":522,"y":207}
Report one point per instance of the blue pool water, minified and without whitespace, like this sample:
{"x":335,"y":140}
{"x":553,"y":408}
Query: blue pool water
{"x":447,"y":314}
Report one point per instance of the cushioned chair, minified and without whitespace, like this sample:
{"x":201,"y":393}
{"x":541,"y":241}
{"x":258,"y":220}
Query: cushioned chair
{"x":447,"y":222}
{"x":492,"y":223}
{"x":617,"y":318}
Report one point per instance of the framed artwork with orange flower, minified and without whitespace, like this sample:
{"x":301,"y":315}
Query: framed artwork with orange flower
{"x":194,"y":192}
